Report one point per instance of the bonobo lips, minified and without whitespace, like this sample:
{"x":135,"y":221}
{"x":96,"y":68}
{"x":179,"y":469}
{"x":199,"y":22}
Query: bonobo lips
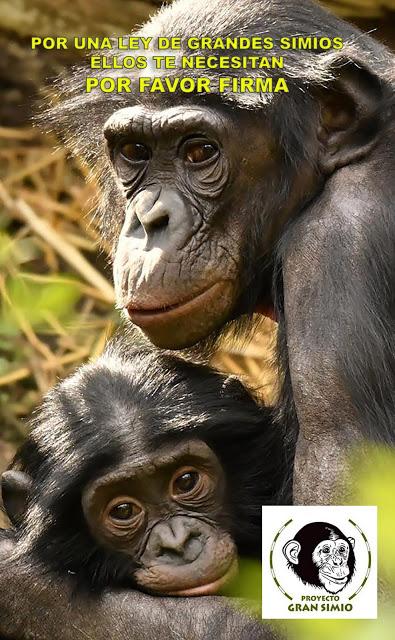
{"x":145,"y":317}
{"x":209,"y":589}
{"x":184,"y":322}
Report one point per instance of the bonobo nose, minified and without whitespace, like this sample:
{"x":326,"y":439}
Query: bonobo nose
{"x":159,"y":217}
{"x":178,"y":541}
{"x":152,"y":211}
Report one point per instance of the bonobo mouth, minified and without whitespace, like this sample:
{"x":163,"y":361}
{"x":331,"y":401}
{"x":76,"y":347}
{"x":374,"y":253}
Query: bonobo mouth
{"x":145,"y":317}
{"x":185,"y":321}
{"x":210,"y":588}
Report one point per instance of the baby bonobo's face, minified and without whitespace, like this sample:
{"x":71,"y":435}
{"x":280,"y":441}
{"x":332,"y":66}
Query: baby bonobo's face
{"x":165,"y":511}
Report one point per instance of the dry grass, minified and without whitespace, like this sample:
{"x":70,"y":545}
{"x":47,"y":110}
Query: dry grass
{"x":56,"y":294}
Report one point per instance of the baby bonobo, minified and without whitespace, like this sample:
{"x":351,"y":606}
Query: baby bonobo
{"x":145,"y":470}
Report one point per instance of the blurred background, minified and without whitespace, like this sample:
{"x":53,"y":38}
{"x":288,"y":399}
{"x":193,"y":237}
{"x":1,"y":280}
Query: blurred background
{"x":55,"y":282}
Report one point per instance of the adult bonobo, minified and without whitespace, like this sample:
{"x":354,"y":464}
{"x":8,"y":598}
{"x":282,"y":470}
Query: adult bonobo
{"x":219,"y":205}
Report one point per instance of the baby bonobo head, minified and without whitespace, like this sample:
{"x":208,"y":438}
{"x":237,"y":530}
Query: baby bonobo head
{"x":146,"y":470}
{"x":165,"y":511}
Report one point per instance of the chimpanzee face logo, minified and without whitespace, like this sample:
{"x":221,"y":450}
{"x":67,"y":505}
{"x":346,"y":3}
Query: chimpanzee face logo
{"x":313,"y":568}
{"x":322,"y":556}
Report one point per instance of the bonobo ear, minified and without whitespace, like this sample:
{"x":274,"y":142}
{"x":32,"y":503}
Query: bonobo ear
{"x":232,"y":385}
{"x":291,"y":550}
{"x":352,"y":542}
{"x":15,"y":490}
{"x":352,"y":108}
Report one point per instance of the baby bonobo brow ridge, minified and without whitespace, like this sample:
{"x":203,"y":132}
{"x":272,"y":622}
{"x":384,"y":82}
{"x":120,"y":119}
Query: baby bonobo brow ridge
{"x":142,"y":121}
{"x":196,"y":450}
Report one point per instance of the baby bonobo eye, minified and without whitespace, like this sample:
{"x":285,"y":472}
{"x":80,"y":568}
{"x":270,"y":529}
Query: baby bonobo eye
{"x":134,"y":152}
{"x":123,"y":512}
{"x":188,"y":482}
{"x":199,"y":151}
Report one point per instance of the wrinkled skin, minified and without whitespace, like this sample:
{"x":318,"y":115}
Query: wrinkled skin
{"x":332,"y":559}
{"x":220,"y":206}
{"x":176,"y":541}
{"x":177,"y":267}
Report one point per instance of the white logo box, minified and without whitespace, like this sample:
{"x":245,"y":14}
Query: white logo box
{"x":319,"y":562}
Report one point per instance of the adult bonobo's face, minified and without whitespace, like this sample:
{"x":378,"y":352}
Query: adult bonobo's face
{"x":189,"y":176}
{"x":164,"y":513}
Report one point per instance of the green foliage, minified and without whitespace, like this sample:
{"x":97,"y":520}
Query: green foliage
{"x":16,"y":252}
{"x":376,"y":486}
{"x":248,"y":584}
{"x":36,"y":301}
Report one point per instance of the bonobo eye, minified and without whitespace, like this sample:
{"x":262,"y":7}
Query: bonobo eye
{"x":134,"y":152}
{"x":185,"y":482}
{"x":198,"y":151}
{"x":123,"y":512}
{"x":325,"y":549}
{"x":342,"y":549}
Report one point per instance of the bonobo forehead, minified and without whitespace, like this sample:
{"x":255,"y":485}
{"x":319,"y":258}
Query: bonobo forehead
{"x":153,"y":122}
{"x":143,"y":465}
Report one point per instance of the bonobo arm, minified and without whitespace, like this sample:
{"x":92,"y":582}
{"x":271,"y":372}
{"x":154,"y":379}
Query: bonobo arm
{"x":339,"y":279}
{"x":34,"y":607}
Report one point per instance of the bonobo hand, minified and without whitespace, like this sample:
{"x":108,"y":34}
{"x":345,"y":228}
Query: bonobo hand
{"x":34,"y":606}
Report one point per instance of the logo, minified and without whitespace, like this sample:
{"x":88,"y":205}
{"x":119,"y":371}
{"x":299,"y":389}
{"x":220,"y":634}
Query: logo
{"x":319,"y":562}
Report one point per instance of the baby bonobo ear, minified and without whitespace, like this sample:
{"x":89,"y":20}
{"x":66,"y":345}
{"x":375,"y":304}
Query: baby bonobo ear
{"x":15,"y":490}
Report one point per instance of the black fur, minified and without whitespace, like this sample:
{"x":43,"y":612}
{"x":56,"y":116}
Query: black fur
{"x":127,"y":404}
